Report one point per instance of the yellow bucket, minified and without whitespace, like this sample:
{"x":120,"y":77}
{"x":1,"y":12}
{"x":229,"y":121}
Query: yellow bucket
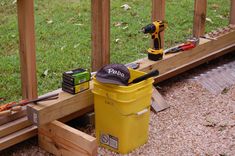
{"x":122,"y":113}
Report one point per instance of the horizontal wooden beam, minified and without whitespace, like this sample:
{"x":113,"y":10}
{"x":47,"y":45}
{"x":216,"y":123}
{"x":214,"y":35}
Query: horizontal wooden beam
{"x":47,"y":111}
{"x":168,"y":67}
{"x":17,"y":137}
{"x":12,"y":117}
{"x":14,"y":126}
{"x":12,"y":131}
{"x":61,"y":139}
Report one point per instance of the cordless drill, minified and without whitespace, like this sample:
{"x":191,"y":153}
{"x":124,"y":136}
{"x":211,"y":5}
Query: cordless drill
{"x":154,"y":29}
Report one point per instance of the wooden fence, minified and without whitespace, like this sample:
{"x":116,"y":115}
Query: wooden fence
{"x":100,"y":35}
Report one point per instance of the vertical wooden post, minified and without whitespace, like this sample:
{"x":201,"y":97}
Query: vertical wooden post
{"x":25,"y":9}
{"x":232,"y":12}
{"x":100,"y":33}
{"x":158,"y":13}
{"x":199,"y":22}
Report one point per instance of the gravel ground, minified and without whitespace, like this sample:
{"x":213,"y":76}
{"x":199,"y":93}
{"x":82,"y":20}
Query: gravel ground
{"x":197,"y":123}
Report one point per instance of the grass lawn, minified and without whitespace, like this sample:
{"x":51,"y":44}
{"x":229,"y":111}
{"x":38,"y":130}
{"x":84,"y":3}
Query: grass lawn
{"x":63,"y":36}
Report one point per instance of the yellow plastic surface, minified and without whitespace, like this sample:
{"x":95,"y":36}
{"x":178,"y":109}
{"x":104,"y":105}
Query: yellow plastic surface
{"x":122,"y":113}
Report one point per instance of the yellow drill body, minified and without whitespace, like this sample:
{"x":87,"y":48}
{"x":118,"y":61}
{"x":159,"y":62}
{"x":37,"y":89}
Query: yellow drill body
{"x":154,"y":29}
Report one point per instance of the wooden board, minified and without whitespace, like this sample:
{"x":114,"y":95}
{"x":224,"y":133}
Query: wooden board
{"x":47,"y":111}
{"x":100,"y":10}
{"x":232,"y":12}
{"x":18,"y":130}
{"x":25,"y":10}
{"x":14,"y":126}
{"x":199,"y":22}
{"x":168,"y":67}
{"x":158,"y":103}
{"x":158,"y":13}
{"x":12,"y":117}
{"x":17,"y":137}
{"x":60,"y":139}
{"x":180,"y":62}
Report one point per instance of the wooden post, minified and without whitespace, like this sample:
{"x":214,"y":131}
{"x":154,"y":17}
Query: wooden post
{"x":100,"y":33}
{"x":27,"y":50}
{"x":199,"y":17}
{"x":232,"y":12}
{"x":158,"y":13}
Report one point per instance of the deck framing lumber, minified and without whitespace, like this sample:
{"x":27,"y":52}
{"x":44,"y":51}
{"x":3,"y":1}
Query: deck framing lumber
{"x":100,"y":33}
{"x":48,"y":111}
{"x":12,"y":131}
{"x":14,"y":126}
{"x":61,"y":139}
{"x":199,"y":21}
{"x":232,"y":12}
{"x":170,"y":66}
{"x":25,"y":10}
{"x":17,"y":137}
{"x":158,"y":13}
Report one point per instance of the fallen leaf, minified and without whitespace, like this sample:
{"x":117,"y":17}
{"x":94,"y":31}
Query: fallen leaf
{"x":14,"y":2}
{"x":49,"y":22}
{"x":126,"y":7}
{"x":125,"y":27}
{"x":117,"y":40}
{"x":209,"y":20}
{"x":76,"y":45}
{"x":118,"y":24}
{"x":45,"y":73}
{"x":62,"y":48}
{"x":225,"y":90}
{"x":220,"y":16}
{"x":78,"y":24}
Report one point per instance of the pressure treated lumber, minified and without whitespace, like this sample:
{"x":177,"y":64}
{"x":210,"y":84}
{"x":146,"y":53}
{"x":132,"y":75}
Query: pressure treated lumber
{"x":12,"y":117}
{"x":170,"y":66}
{"x":47,"y":111}
{"x":14,"y":126}
{"x":158,"y":103}
{"x":61,"y":139}
{"x":18,"y":130}
{"x":183,"y":61}
{"x":158,"y":13}
{"x":232,"y":12}
{"x":199,"y":22}
{"x":25,"y":10}
{"x":17,"y":137}
{"x":100,"y":33}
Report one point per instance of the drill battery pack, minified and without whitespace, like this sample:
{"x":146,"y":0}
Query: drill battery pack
{"x":76,"y":76}
{"x":155,"y":55}
{"x":75,"y":89}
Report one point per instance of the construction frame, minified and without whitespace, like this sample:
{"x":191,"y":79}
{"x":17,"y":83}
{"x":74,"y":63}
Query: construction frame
{"x":17,"y":127}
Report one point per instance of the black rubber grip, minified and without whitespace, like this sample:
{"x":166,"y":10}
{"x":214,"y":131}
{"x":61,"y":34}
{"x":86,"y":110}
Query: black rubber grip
{"x":146,"y":76}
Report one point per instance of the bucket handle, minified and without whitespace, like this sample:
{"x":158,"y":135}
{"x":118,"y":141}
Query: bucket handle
{"x":145,"y":110}
{"x":142,"y":112}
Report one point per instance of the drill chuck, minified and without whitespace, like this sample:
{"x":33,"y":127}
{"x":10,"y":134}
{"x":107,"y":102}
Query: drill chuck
{"x":149,"y":29}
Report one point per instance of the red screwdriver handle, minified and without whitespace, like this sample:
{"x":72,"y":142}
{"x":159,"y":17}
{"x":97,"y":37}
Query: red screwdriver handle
{"x":187,"y":47}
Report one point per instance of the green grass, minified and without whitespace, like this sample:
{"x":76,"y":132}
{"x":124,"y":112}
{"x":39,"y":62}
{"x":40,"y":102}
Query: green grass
{"x":63,"y":36}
